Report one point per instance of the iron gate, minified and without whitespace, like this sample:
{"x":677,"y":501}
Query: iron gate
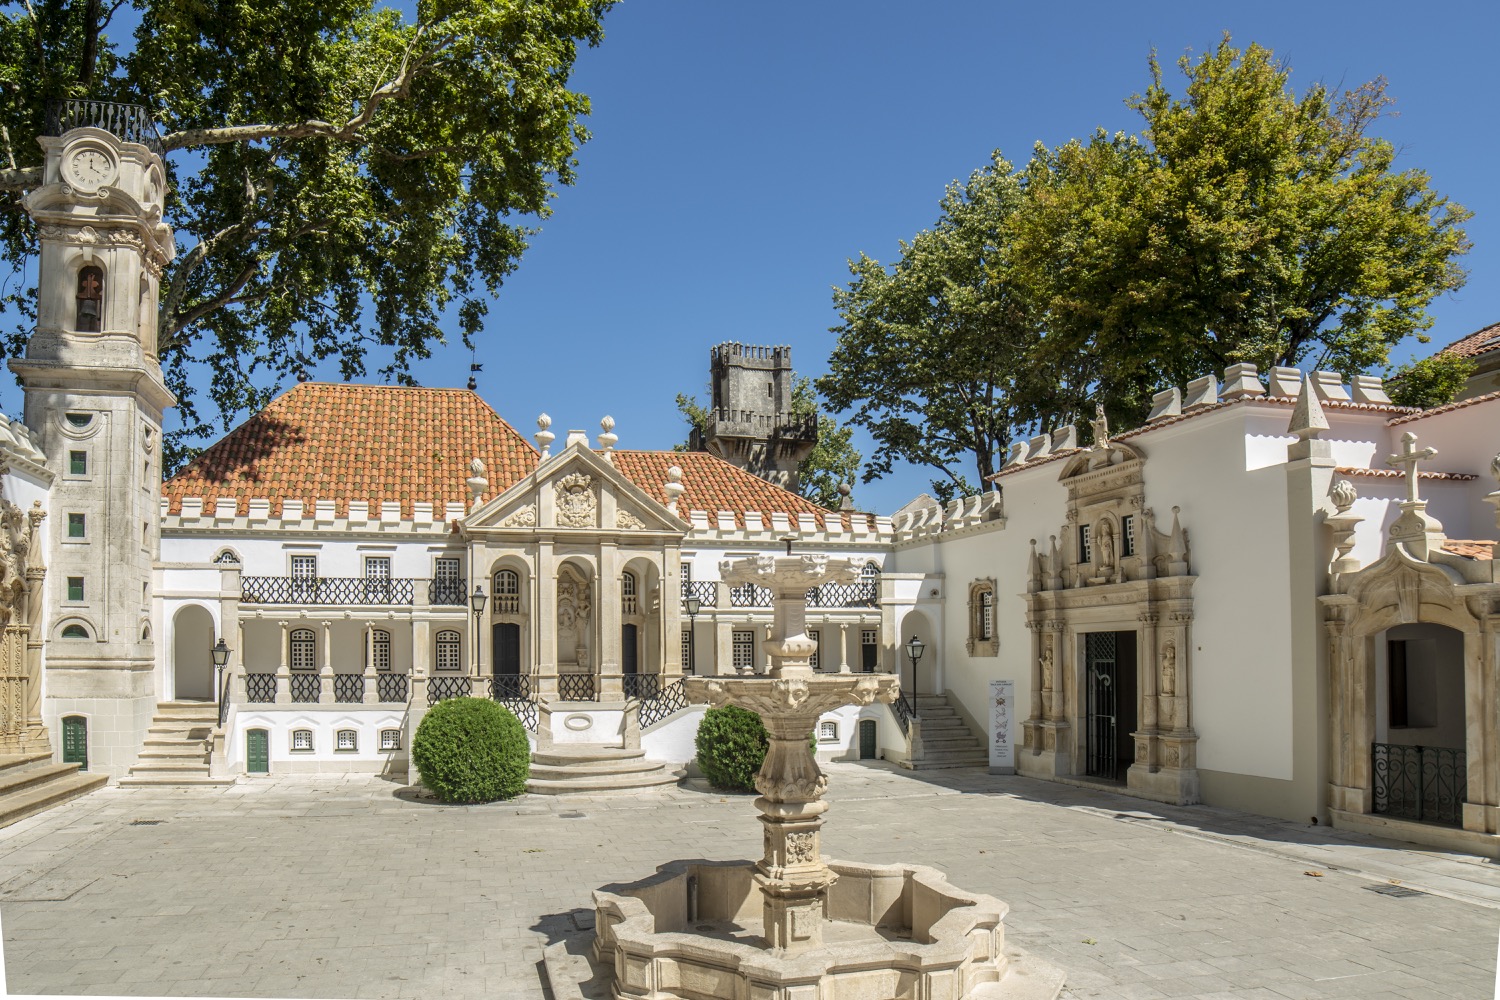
{"x":1426,"y":784}
{"x":1101,"y":663}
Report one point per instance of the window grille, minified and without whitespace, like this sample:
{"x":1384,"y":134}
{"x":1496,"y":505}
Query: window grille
{"x":743,"y":650}
{"x":630,"y":604}
{"x":508,"y":592}
{"x":817,"y":637}
{"x":869,"y":637}
{"x":447,"y":582}
{"x":687,"y":650}
{"x":346,"y":739}
{"x":449,"y":646}
{"x":76,"y":525}
{"x":228,"y":557}
{"x":987,"y":614}
{"x":1127,"y":535}
{"x":78,"y":463}
{"x":828,"y":732}
{"x":304,"y":648}
{"x":1085,"y":544}
{"x":302,"y":739}
{"x":75,"y":588}
{"x":380,"y":650}
{"x":390,"y":739}
{"x":304,"y":577}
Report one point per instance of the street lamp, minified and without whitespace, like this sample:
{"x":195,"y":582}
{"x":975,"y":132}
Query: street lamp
{"x":220,"y":654}
{"x":694,"y":605}
{"x":477,"y":601}
{"x":914,"y":649}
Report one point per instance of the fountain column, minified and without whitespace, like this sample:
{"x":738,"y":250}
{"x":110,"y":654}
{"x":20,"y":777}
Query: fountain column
{"x":792,"y":875}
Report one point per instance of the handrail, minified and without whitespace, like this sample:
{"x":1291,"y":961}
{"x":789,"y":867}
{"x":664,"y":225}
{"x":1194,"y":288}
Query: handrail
{"x":905,"y":708}
{"x":335,"y":590}
{"x":224,"y":695}
{"x":129,"y":122}
{"x":665,"y":700}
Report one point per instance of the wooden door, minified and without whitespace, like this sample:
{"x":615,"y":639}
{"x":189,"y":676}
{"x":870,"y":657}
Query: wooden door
{"x":507,"y":636}
{"x":257,"y":752}
{"x":75,"y":741}
{"x":867,"y":750}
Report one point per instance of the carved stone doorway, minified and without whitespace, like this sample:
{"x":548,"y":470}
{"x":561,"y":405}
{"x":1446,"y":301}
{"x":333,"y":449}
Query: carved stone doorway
{"x":1109,"y":665}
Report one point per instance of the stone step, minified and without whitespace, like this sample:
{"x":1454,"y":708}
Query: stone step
{"x":32,"y":797}
{"x":8,"y":761}
{"x":17,"y":778}
{"x":593,"y":768}
{"x":175,"y":751}
{"x":153,"y":778}
{"x":960,"y":742}
{"x":942,"y":722}
{"x":181,"y":730}
{"x":561,"y":756}
{"x":602,"y":783}
{"x":209,"y":713}
{"x":169,"y":765}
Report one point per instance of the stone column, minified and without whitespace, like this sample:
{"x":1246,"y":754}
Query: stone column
{"x":607,"y":612}
{"x":372,"y":684}
{"x":723,"y":649}
{"x":1151,"y":669}
{"x":284,"y":668}
{"x":843,"y":647}
{"x":1481,"y":811}
{"x":544,"y":619}
{"x":325,"y":667}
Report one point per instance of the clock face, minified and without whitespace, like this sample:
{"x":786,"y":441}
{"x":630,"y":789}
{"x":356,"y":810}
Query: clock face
{"x":90,"y":168}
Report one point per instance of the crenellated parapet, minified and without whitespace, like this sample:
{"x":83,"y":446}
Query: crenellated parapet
{"x":958,"y":514}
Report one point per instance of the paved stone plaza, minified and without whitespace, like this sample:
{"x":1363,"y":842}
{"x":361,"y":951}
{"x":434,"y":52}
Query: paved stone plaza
{"x":343,"y":887}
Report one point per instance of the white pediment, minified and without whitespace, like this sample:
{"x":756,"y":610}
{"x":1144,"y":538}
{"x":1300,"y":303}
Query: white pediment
{"x":575,"y":490}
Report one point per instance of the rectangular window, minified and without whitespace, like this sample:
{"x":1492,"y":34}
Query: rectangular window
{"x":744,"y":650}
{"x":346,"y":740}
{"x":390,"y":739}
{"x":78,"y":463}
{"x":448,"y":584}
{"x":449,"y":647}
{"x":687,"y":651}
{"x":75,"y":588}
{"x":1085,"y":544}
{"x":304,"y":577}
{"x":378,"y":578}
{"x":816,"y":636}
{"x":869,"y":649}
{"x":1396,"y":676}
{"x":380,"y":650}
{"x":987,"y":615}
{"x":302,"y":740}
{"x":76,"y":525}
{"x":1127,"y":533}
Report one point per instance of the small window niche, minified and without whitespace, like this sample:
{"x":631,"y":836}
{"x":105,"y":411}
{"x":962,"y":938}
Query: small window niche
{"x":302,"y":741}
{"x":79,"y":420}
{"x":828,"y":731}
{"x":390,"y":739}
{"x":78,"y":463}
{"x":75,"y":631}
{"x":90,"y":301}
{"x":77,"y":526}
{"x":75,"y":588}
{"x":346,"y":741}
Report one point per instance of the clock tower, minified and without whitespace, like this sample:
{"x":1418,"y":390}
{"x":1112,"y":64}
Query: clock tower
{"x":94,"y":402}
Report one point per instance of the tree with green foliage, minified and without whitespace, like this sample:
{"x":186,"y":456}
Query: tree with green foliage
{"x":341,"y":174}
{"x":833,"y":460}
{"x":471,"y":750}
{"x":1434,"y":381}
{"x":1245,"y":224}
{"x":938,"y":356}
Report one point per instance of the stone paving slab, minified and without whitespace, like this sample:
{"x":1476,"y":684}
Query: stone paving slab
{"x":320,"y":886}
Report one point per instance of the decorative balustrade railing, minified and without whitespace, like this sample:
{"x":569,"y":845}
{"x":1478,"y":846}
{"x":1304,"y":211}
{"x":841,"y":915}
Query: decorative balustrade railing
{"x":1427,"y":784}
{"x":843,"y":595}
{"x":391,"y":687}
{"x":905,"y":707}
{"x":349,"y":688}
{"x":306,"y":687}
{"x":576,"y":687}
{"x":448,"y":593}
{"x":334,"y":590}
{"x":441,"y":688}
{"x":225,"y":679}
{"x":514,"y":692}
{"x":748,"y":595}
{"x":641,"y":685}
{"x":130,"y":122}
{"x":667,"y":699}
{"x":260,"y":689}
{"x":706,"y":591}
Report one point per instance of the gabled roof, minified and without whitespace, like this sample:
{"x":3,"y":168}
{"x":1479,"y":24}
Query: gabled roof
{"x":322,"y":441}
{"x":1479,"y":342}
{"x":712,"y":484}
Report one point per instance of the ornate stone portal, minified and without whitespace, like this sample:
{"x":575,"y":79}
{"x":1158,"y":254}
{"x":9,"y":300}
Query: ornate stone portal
{"x":21,"y":573}
{"x":824,"y":930}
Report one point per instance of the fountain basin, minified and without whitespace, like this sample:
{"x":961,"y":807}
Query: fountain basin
{"x":890,"y":932}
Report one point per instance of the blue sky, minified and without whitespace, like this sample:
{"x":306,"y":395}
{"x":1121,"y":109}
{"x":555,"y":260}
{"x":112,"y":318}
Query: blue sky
{"x":743,"y":152}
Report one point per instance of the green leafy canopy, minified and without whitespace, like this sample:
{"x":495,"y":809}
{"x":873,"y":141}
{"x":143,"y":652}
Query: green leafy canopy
{"x":341,"y":175}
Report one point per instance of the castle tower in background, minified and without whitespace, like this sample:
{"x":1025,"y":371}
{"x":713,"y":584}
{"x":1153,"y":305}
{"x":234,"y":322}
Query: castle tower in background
{"x":750,"y":422}
{"x":94,"y":401}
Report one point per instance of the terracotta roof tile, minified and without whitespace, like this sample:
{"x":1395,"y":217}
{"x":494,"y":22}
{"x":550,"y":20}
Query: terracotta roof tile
{"x":712,"y":484}
{"x":1350,"y":470}
{"x":340,"y":442}
{"x":1482,"y":549}
{"x":1476,"y":343}
{"x":1473,"y":401}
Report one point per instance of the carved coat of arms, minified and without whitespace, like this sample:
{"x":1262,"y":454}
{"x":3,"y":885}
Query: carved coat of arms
{"x":577,"y":506}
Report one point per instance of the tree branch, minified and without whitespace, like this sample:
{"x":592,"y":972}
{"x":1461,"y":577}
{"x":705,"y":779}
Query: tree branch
{"x":20,"y":178}
{"x":202,"y":309}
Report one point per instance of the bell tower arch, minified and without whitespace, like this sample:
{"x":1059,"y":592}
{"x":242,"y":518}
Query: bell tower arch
{"x":94,"y":400}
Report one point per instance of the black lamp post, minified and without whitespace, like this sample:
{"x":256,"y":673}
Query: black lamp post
{"x":477,"y":601}
{"x":220,"y":654}
{"x":694,"y":605}
{"x":914,"y":649}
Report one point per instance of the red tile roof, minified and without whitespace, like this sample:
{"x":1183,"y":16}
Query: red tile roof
{"x":1350,"y":470}
{"x":1471,"y":401}
{"x":339,"y":442}
{"x":1481,"y":549}
{"x":1478,"y":342}
{"x":712,"y":484}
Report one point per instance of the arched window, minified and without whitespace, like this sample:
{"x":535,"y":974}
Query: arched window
{"x":346,"y":740}
{"x":302,"y":740}
{"x":227,"y":556}
{"x":828,"y":731}
{"x":449,"y":647}
{"x":304,"y":649}
{"x":507,"y":592}
{"x":869,"y":583}
{"x":90,"y":299}
{"x":380,"y":650}
{"x":630,"y":604}
{"x":75,"y":631}
{"x":146,"y":633}
{"x":982,"y":640}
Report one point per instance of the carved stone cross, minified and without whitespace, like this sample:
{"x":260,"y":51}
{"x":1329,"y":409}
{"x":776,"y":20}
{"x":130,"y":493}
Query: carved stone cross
{"x":1409,"y":457}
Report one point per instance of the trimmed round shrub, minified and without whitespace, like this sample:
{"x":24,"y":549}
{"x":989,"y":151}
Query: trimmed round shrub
{"x":731,"y":745}
{"x":471,"y":750}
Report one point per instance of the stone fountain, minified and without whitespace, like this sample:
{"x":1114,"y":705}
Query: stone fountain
{"x":795,"y":925}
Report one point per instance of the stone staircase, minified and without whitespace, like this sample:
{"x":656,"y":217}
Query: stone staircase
{"x":941,"y":739}
{"x":176,"y":747}
{"x":31,"y":783}
{"x":588,"y":768}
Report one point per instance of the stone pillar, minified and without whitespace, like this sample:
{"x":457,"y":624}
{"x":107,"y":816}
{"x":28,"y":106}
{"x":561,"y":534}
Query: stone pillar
{"x":608,"y":596}
{"x":1152,"y":670}
{"x":792,"y":877}
{"x":1481,"y":811}
{"x":765,"y":645}
{"x":544,"y":616}
{"x":843,"y":647}
{"x":325,"y":666}
{"x":372,"y":684}
{"x":723,"y":650}
{"x":284,"y":668}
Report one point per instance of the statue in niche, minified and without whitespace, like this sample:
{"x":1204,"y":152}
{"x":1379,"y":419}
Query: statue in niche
{"x":1169,"y":668}
{"x":1104,"y":544}
{"x":1100,"y":424}
{"x":1047,"y":663}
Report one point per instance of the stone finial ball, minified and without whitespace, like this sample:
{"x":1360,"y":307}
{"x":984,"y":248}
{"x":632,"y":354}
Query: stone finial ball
{"x":845,"y":489}
{"x":1343,"y":494}
{"x":543,"y":422}
{"x":607,"y":424}
{"x":674,"y":474}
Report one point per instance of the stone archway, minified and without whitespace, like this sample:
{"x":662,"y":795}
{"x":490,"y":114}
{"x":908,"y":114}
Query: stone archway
{"x":192,"y":657}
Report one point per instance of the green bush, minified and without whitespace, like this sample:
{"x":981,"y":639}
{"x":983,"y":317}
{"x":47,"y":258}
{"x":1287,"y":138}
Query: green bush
{"x":731,"y":745}
{"x":471,"y":750}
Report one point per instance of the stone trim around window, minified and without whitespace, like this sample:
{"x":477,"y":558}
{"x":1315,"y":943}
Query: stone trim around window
{"x":983,"y":639}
